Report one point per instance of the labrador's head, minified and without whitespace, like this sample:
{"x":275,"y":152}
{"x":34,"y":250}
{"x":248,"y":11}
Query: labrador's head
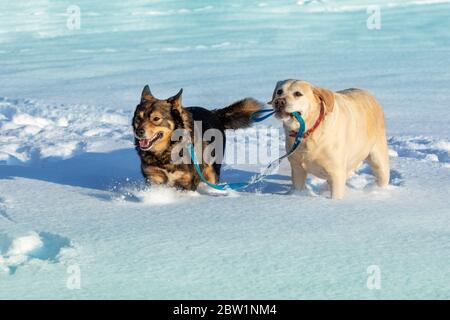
{"x":300,"y":96}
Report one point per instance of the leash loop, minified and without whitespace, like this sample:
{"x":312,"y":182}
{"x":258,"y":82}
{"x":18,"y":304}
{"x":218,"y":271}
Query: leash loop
{"x":221,"y":186}
{"x":241,"y":185}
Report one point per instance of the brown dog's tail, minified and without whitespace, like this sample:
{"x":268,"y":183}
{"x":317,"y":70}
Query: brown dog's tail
{"x":238,"y":115}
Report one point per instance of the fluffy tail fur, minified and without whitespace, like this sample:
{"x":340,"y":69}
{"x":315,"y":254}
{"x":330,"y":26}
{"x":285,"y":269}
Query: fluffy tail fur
{"x":237,"y":115}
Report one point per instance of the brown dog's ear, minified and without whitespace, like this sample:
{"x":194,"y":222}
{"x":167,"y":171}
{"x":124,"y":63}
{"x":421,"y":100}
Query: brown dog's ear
{"x":146,"y":94}
{"x":326,"y":97}
{"x":176,"y":99}
{"x":179,"y":112}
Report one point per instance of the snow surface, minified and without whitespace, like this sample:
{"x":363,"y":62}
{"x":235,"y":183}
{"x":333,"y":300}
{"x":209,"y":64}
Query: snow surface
{"x":71,"y":193}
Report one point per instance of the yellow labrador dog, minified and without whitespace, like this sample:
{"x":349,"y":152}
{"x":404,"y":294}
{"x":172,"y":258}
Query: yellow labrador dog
{"x":344,"y":128}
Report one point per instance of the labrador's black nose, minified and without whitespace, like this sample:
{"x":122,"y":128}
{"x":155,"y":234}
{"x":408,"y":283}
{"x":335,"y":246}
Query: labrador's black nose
{"x":280,"y":103}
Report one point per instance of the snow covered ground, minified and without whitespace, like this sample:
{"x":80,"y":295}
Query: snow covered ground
{"x":72,"y":201}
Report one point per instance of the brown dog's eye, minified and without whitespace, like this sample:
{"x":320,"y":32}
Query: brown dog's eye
{"x":156,"y":119}
{"x":279,"y":91}
{"x":297,"y":94}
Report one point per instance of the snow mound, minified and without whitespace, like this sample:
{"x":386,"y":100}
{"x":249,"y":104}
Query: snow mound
{"x":421,"y":148}
{"x":41,"y":246}
{"x":33,"y":132}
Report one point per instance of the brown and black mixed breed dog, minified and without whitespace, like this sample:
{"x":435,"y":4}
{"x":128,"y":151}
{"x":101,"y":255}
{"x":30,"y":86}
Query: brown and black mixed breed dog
{"x":154,"y":122}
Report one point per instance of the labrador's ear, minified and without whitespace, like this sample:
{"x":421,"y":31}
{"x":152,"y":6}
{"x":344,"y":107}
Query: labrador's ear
{"x":146,"y":94}
{"x":175,"y":101}
{"x":273,"y":97}
{"x":274,"y":92}
{"x":326,"y":97}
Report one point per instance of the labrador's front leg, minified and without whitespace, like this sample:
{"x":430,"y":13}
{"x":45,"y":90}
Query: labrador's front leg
{"x":298,"y":176}
{"x":337,"y":182}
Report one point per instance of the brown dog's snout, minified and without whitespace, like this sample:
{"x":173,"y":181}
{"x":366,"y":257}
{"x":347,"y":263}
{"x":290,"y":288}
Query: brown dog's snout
{"x":140,"y":132}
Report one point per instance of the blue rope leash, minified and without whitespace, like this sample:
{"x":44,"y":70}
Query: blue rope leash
{"x":258,"y":115}
{"x":241,"y":185}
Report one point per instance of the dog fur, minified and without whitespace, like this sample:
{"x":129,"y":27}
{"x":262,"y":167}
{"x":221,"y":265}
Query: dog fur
{"x":158,"y":119}
{"x":353,"y":130}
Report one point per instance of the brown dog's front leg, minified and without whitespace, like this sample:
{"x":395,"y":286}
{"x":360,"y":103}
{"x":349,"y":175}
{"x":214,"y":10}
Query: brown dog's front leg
{"x":154,"y":175}
{"x":210,"y":174}
{"x":185,"y":182}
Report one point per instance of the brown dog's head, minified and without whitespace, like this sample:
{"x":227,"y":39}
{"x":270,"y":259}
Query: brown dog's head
{"x":300,"y":96}
{"x":155,"y":120}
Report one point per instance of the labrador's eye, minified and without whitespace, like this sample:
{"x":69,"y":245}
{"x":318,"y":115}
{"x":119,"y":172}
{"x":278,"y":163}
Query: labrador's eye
{"x":279,"y":92}
{"x":298,"y":94}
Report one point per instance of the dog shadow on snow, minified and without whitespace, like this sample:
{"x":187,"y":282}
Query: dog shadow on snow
{"x":109,"y":173}
{"x":99,"y":171}
{"x":115,"y":170}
